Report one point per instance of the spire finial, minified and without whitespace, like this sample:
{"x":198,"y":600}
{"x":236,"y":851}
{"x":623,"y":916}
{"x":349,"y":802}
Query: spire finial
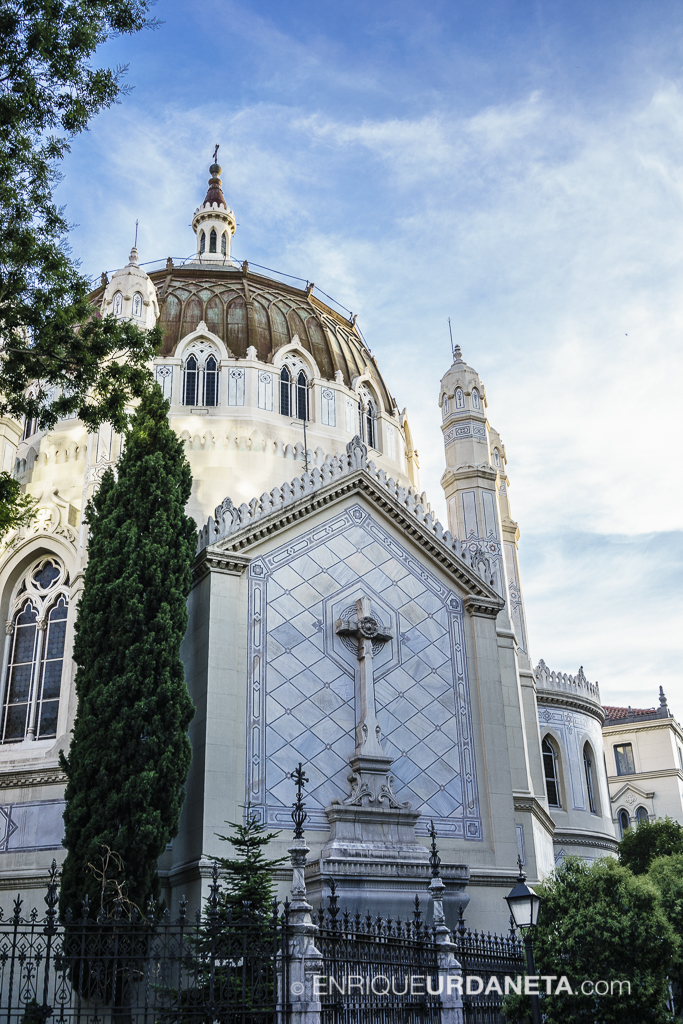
{"x":457,"y":355}
{"x":215,"y":192}
{"x":215,"y":153}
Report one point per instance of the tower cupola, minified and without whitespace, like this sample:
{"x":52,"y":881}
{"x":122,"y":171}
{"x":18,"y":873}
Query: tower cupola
{"x":131,"y":294}
{"x":213,"y":223}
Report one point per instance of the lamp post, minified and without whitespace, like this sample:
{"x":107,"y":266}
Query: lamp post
{"x":524,"y":904}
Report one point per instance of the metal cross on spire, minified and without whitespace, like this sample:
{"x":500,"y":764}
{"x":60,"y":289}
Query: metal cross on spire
{"x":364,"y":629}
{"x":215,"y":154}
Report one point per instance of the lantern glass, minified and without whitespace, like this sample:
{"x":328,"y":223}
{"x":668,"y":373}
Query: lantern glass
{"x":524,"y":904}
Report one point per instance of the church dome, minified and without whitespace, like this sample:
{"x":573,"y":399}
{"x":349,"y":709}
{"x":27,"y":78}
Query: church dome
{"x":246,"y":309}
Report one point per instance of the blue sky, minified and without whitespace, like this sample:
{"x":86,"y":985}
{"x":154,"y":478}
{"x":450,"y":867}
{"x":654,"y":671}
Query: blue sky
{"x":517,"y":166}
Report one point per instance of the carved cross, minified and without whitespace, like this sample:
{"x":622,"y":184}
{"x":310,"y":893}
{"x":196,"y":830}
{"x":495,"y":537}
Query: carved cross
{"x":364,"y":629}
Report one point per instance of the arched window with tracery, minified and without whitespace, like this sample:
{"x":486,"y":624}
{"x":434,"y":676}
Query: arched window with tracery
{"x":34,"y":653}
{"x":191,"y":380}
{"x":137,"y":304}
{"x":117,"y":304}
{"x":285,"y":392}
{"x":642,"y":815}
{"x":211,"y":382}
{"x":446,"y":406}
{"x":459,"y":398}
{"x":301,"y":396}
{"x":476,"y":400}
{"x":224,"y":244}
{"x":202,"y":242}
{"x":201,"y":377}
{"x":497,"y":459}
{"x":213,"y":240}
{"x":551,"y":772}
{"x":589,"y":774}
{"x":624,"y":823}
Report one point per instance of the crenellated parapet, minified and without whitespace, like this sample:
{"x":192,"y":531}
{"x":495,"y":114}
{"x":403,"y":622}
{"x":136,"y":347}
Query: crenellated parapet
{"x":578,"y":684}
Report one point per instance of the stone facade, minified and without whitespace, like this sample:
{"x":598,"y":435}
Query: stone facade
{"x":333,"y":620}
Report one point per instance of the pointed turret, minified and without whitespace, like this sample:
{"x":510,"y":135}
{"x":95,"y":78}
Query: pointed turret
{"x":131,"y":295}
{"x":214,"y":223}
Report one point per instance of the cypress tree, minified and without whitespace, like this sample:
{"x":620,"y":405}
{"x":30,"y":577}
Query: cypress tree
{"x":130,"y":752}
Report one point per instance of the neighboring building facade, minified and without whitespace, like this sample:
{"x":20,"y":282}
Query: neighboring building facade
{"x":644,"y":757}
{"x":333,"y":621}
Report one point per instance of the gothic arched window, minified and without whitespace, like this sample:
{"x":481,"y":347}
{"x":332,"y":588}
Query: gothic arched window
{"x":590,"y":777}
{"x":191,"y":381}
{"x":224,"y":244}
{"x":459,"y":397}
{"x":370,"y":424}
{"x":624,"y":823}
{"x":446,"y":406}
{"x":642,"y":815}
{"x":202,"y":242}
{"x":35,"y":654}
{"x":211,"y":382}
{"x":137,"y":304}
{"x":285,"y":392}
{"x":117,"y":304}
{"x":301,"y":396}
{"x":551,"y":772}
{"x":476,"y":400}
{"x":213,"y":239}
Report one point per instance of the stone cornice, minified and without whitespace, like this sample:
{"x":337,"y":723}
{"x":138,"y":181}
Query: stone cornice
{"x":583,"y":837}
{"x":209,"y":560}
{"x":19,"y":778}
{"x":363,"y":482}
{"x":623,"y":725}
{"x":629,"y":787}
{"x":566,"y":700}
{"x":527,"y":803}
{"x":659,"y":773}
{"x":481,"y":607}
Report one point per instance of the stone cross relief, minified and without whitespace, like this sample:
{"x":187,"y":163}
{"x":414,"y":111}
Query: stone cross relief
{"x":365,"y":629}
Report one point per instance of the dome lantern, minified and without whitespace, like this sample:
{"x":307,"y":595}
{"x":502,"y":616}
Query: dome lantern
{"x":213,"y":223}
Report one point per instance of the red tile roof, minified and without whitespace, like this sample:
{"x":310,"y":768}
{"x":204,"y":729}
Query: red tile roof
{"x":613,"y":712}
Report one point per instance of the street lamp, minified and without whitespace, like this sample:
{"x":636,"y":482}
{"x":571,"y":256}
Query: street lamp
{"x":524,"y":904}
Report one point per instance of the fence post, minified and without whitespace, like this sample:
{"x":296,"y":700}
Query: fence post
{"x":305,"y":960}
{"x":450,"y":971}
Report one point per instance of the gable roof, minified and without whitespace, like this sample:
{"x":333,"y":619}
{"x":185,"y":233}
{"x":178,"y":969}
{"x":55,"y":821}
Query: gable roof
{"x":235,"y":530}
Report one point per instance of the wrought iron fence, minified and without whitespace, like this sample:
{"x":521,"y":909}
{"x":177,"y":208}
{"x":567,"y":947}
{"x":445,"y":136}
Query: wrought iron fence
{"x":215,"y":966}
{"x":370,"y":967}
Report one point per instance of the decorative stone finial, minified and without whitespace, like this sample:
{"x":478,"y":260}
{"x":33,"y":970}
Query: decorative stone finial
{"x":215,"y":191}
{"x":457,"y":355}
{"x":133,"y":258}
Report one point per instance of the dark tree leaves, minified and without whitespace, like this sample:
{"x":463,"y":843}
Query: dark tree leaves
{"x":130,"y":753}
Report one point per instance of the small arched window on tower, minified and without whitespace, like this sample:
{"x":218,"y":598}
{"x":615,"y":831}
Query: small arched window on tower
{"x":459,"y":397}
{"x":224,"y":244}
{"x":642,"y":815}
{"x":213,"y":240}
{"x":370,"y":424}
{"x":497,"y":459}
{"x":137,"y":304}
{"x":551,"y":772}
{"x":301,"y":396}
{"x":624,"y":823}
{"x":446,"y":406}
{"x":590,"y":777}
{"x":117,"y":304}
{"x":191,"y":381}
{"x":285,"y":392}
{"x":476,"y":400}
{"x":211,"y":382}
{"x":202,"y":242}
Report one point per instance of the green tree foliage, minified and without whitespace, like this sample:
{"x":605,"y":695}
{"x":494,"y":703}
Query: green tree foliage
{"x":130,"y":752}
{"x":666,"y":873}
{"x":249,"y":875}
{"x":650,"y":839}
{"x":601,"y":923}
{"x":16,"y":509}
{"x":49,"y":91}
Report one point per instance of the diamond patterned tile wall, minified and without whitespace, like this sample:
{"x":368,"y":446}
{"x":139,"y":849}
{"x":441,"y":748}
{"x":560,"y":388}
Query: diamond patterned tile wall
{"x":301,"y":676}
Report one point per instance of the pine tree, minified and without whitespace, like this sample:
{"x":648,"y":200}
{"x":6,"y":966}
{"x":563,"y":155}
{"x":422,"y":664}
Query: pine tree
{"x":249,"y":875}
{"x":130,"y":752}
